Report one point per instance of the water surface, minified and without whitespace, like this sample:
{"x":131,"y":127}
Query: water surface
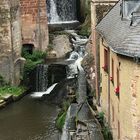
{"x":29,"y":119}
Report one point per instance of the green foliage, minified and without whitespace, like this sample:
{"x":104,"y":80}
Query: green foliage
{"x":66,"y":105}
{"x":32,"y":60}
{"x":101,"y":118}
{"x":85,"y":28}
{"x":107,"y":133}
{"x":60,"y":121}
{"x":105,"y":128}
{"x":37,"y":55}
{"x":13,"y":90}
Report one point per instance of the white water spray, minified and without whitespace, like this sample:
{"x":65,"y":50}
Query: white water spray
{"x":40,"y":94}
{"x":53,"y":12}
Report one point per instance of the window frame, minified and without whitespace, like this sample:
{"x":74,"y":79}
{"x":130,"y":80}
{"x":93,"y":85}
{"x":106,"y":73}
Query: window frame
{"x":112,"y":71}
{"x":106,"y":63}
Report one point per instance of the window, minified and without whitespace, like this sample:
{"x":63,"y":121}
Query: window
{"x":112,"y":77}
{"x":118,"y":78}
{"x":117,"y":90}
{"x":119,"y":130}
{"x":105,"y":67}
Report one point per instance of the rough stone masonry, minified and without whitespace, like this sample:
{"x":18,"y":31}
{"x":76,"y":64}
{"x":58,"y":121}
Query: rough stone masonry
{"x":10,"y":41}
{"x":22,"y":22}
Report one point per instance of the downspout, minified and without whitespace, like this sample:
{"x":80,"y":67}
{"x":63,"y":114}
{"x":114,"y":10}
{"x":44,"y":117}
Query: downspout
{"x":95,"y":49}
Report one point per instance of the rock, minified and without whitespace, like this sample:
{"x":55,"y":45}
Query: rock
{"x":61,"y":45}
{"x":1,"y":101}
{"x":2,"y":104}
{"x":7,"y":98}
{"x":52,"y":54}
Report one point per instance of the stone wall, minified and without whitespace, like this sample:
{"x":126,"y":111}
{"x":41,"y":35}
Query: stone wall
{"x":10,"y":38}
{"x":34,"y":23}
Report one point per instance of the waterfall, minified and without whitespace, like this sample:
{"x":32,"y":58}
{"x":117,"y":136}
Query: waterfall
{"x":61,"y":11}
{"x":77,"y":55}
{"x":53,"y":15}
{"x":47,"y":77}
{"x":41,"y":77}
{"x":40,"y":94}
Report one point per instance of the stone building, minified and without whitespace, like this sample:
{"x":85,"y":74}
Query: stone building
{"x":10,"y":41}
{"x":119,"y":69}
{"x":99,"y":8}
{"x":34,"y":24}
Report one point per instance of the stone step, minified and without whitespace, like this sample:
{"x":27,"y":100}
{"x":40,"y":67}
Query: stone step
{"x":1,"y":101}
{"x":7,"y":97}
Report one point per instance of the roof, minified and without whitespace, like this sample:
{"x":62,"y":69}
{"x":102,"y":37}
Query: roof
{"x":120,"y":36}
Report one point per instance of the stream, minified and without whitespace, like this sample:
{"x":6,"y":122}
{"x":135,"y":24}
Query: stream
{"x":33,"y":117}
{"x":29,"y":119}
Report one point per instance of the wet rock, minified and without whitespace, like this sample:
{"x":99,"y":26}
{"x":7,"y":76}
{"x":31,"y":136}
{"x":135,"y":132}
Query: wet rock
{"x":52,"y":54}
{"x":61,"y":45}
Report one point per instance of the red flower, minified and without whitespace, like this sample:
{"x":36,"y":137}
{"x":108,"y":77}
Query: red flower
{"x":117,"y":90}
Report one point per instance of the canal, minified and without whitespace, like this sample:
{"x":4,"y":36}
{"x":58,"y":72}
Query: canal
{"x":29,"y":119}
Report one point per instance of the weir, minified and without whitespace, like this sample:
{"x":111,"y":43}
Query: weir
{"x":62,"y":13}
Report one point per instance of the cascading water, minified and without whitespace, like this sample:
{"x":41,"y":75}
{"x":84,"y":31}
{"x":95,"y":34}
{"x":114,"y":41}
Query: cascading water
{"x":77,"y":55}
{"x":47,"y":77}
{"x":62,"y":11}
{"x":41,"y":77}
{"x":53,"y":15}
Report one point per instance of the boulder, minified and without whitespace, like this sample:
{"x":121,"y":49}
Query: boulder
{"x":61,"y":45}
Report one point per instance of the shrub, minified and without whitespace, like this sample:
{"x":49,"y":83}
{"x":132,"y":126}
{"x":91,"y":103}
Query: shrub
{"x":106,"y":131}
{"x":37,"y":55}
{"x":60,"y":121}
{"x":32,"y":60}
{"x":14,"y":90}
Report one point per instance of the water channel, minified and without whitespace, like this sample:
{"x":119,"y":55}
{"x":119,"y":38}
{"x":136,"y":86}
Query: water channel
{"x":29,"y":119}
{"x":33,"y":118}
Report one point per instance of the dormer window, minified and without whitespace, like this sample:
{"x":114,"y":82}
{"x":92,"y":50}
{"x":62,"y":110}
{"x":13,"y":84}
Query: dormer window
{"x":135,"y":18}
{"x":128,"y":7}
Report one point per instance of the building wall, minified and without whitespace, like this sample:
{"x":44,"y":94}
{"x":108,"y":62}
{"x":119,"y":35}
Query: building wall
{"x":10,"y":38}
{"x":99,"y":8}
{"x":34,"y":23}
{"x":125,"y":109}
{"x":103,"y":80}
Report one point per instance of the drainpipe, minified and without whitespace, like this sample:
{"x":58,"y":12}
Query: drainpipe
{"x":95,"y":49}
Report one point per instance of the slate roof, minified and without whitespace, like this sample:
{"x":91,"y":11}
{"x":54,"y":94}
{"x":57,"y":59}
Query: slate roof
{"x":120,"y":36}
